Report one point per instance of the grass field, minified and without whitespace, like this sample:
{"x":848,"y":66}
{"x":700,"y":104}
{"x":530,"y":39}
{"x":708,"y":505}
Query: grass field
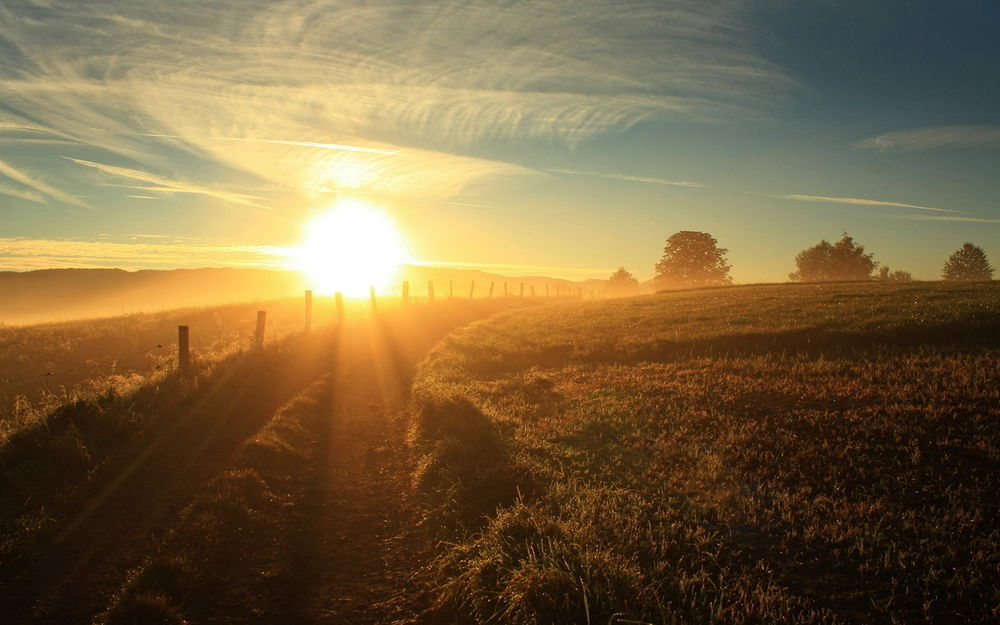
{"x":45,"y":365}
{"x":100,"y":484}
{"x":794,"y":453}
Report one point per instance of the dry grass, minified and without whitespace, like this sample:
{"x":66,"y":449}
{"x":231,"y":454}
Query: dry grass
{"x":796,"y":454}
{"x":239,"y":523}
{"x":46,"y":365}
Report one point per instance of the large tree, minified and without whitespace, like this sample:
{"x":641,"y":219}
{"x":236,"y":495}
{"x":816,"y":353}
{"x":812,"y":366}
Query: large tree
{"x":843,"y":260}
{"x":622,"y":282}
{"x":968,"y":263}
{"x":692,"y":259}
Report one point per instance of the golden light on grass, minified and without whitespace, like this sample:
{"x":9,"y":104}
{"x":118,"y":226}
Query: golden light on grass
{"x":351,"y":246}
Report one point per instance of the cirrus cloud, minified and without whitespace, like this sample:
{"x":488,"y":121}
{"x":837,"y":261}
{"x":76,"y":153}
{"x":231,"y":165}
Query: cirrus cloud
{"x":411,"y":91}
{"x":986,"y":137}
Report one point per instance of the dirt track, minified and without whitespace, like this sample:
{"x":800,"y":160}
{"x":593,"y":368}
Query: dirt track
{"x":359,"y":548}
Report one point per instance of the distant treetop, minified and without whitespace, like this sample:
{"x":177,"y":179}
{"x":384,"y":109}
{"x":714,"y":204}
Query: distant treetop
{"x":692,"y":259}
{"x":968,"y":263}
{"x":843,"y":260}
{"x":622,"y":282}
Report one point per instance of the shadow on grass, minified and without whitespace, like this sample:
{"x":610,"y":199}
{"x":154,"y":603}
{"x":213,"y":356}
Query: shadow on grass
{"x":96,"y":477}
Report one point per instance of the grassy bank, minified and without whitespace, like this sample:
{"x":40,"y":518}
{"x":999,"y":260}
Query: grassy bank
{"x":246,"y":520}
{"x":797,"y":454}
{"x":59,"y":471}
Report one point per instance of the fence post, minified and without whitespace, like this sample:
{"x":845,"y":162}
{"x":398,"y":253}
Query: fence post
{"x":522,"y":289}
{"x":371,"y":295}
{"x":309,"y":309}
{"x":183,"y":352}
{"x":406,"y":291}
{"x":430,"y":291}
{"x":261,"y":323}
{"x":505,"y":289}
{"x":472,"y":289}
{"x":532,"y":290}
{"x":491,"y":288}
{"x":340,"y":307}
{"x":546,"y":289}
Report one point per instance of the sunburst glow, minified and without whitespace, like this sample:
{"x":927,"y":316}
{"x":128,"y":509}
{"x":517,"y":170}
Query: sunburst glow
{"x":351,"y":246}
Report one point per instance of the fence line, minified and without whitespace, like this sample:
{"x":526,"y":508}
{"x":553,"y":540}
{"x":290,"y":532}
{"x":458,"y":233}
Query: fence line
{"x":184,"y":336}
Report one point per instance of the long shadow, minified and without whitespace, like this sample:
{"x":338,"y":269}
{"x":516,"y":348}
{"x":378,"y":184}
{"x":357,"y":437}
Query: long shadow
{"x":112,"y":523}
{"x":826,"y":340}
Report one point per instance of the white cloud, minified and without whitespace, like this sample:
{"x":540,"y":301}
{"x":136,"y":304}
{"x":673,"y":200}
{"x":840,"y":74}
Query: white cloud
{"x":21,"y":254}
{"x":860,"y":202}
{"x":628,"y":178}
{"x":165,"y":185}
{"x":406,"y":91}
{"x":38,"y":185}
{"x":936,"y":138}
{"x":981,"y":220}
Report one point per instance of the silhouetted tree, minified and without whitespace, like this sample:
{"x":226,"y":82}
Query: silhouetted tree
{"x":895,"y":276}
{"x":843,"y":260}
{"x":692,"y":259}
{"x":622,"y":282}
{"x":968,"y":263}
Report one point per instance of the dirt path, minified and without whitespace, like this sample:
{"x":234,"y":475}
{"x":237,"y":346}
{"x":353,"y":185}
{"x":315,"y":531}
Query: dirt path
{"x":363,"y":549}
{"x":358,"y":550}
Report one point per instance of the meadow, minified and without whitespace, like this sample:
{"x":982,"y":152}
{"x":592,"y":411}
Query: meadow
{"x":43,"y":366}
{"x":141,"y":474}
{"x":812,"y":453}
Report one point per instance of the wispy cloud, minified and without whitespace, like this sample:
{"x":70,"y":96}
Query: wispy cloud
{"x":628,"y":178}
{"x":24,"y":194}
{"x":22,"y":254}
{"x":165,"y":185}
{"x":980,"y":220}
{"x":303,"y":144}
{"x":38,"y":185}
{"x":860,"y":202}
{"x":936,"y":138}
{"x":298,"y":87}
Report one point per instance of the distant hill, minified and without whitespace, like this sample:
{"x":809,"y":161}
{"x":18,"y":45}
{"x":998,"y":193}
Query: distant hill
{"x":63,"y":294}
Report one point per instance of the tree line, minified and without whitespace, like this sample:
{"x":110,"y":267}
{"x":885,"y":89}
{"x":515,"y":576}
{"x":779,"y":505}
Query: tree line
{"x":693,"y":259}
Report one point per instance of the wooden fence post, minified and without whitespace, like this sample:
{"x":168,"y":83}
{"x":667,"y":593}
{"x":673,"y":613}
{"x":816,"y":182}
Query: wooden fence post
{"x":522,"y":289}
{"x":505,"y":289}
{"x":371,"y":295}
{"x":472,"y":289}
{"x":491,"y":289}
{"x":406,"y":291}
{"x":532,"y":290}
{"x":430,"y":291}
{"x":183,"y":352}
{"x":546,"y":290}
{"x":451,"y":288}
{"x":309,"y":309}
{"x":340,"y":307}
{"x":259,"y":334}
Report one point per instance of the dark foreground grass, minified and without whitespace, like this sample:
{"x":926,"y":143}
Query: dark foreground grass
{"x":63,"y":469}
{"x":245,"y":520}
{"x":795,"y":454}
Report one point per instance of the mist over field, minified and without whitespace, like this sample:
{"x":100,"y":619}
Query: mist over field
{"x":466,"y":312}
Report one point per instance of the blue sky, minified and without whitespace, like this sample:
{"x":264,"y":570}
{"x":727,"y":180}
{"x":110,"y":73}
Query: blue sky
{"x":554,"y":137}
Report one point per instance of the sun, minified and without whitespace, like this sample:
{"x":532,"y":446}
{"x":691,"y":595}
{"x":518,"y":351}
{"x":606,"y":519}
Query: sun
{"x":350,"y":247}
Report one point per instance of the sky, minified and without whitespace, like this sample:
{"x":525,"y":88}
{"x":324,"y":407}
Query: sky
{"x":532,"y":137}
